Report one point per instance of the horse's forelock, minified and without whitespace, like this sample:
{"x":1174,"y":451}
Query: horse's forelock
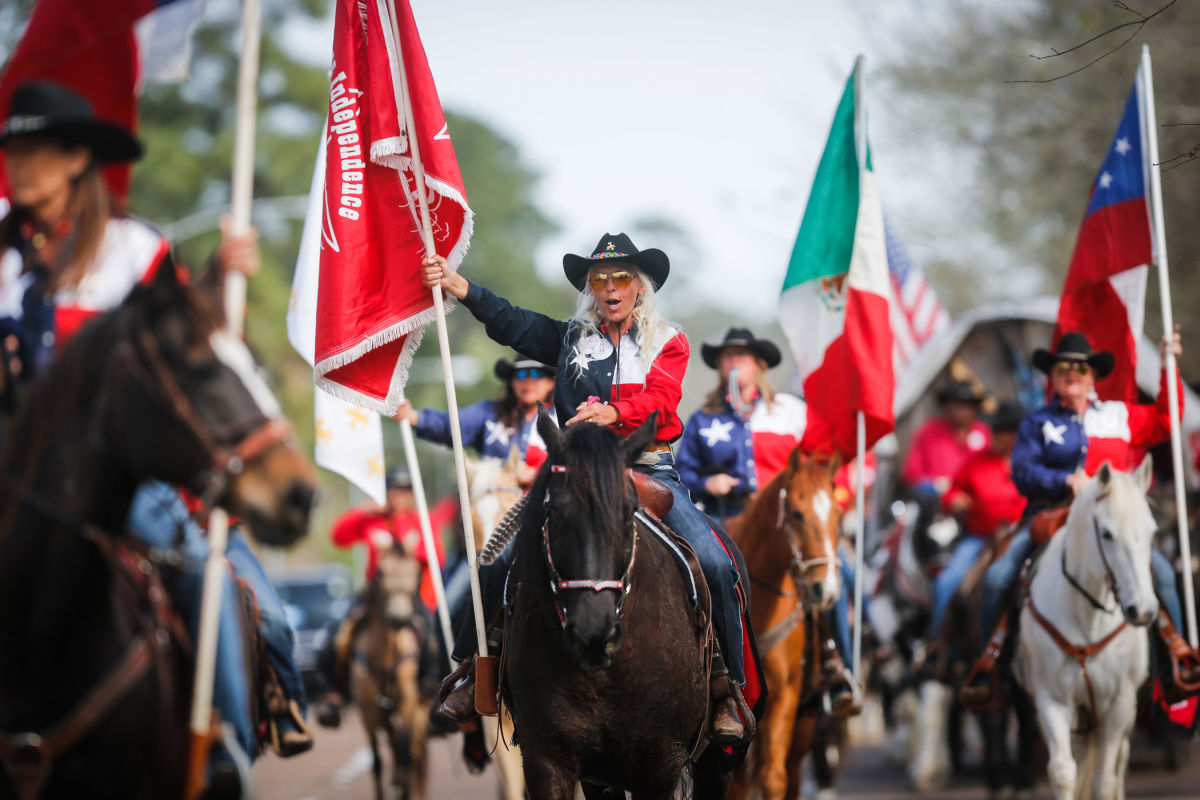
{"x":595,"y":474}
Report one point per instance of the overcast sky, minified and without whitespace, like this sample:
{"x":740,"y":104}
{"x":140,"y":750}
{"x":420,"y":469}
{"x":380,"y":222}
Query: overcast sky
{"x":711,"y":114}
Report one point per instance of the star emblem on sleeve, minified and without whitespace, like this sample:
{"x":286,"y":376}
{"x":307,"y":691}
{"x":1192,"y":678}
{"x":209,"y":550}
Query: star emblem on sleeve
{"x":1105,"y":180}
{"x":717,"y":432}
{"x":1053,"y":434}
{"x":496,"y":432}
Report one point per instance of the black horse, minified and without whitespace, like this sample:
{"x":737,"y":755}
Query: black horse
{"x":94,"y":683}
{"x":604,"y":658}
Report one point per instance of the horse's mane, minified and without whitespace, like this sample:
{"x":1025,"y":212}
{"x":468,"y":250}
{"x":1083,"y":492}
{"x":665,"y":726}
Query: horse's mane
{"x":81,"y":374}
{"x":595,"y":478}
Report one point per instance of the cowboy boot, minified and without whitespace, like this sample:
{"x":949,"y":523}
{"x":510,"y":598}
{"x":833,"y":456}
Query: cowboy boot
{"x":727,"y":708}
{"x":290,"y":736}
{"x":455,"y":701}
{"x":1184,"y":673}
{"x":981,"y":691}
{"x":845,"y":694}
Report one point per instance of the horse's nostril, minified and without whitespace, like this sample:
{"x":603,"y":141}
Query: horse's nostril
{"x":301,"y":496}
{"x":1131,"y":612}
{"x":818,"y":589}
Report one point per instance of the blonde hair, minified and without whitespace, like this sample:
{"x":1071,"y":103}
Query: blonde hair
{"x":652,"y":329}
{"x":714,"y":401}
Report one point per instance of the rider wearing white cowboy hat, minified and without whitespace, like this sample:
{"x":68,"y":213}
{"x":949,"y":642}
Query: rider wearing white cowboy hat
{"x":68,"y":252}
{"x":1059,"y":447}
{"x":618,"y":361}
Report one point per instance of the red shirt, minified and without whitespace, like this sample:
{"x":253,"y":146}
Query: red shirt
{"x":936,"y":453}
{"x":376,"y":530}
{"x":986,"y":480}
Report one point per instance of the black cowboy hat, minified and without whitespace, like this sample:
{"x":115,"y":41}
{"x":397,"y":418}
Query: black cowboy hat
{"x":1008,"y":417}
{"x":398,"y":478}
{"x":741,"y":337}
{"x":959,"y":392}
{"x":1074,"y":346}
{"x":504,"y":368}
{"x":617,"y":248}
{"x":48,"y":109}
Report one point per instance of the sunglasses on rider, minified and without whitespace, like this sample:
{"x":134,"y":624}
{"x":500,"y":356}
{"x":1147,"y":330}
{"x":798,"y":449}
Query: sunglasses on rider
{"x":621,"y":279}
{"x":1064,"y":367}
{"x":531,"y":372}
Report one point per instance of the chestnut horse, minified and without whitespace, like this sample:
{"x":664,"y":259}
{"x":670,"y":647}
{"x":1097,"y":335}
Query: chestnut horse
{"x":94,"y":687}
{"x":788,"y":535}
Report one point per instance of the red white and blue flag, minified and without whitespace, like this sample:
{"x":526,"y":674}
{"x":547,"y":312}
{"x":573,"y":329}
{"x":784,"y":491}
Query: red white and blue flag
{"x":917,"y":313}
{"x":94,"y":48}
{"x":1105,"y":292}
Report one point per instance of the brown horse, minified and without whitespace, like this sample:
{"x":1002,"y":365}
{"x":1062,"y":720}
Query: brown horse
{"x":384,"y":672}
{"x":94,"y":687}
{"x":788,"y":535}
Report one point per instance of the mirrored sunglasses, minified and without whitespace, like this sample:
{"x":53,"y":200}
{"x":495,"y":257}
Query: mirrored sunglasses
{"x":621,"y":279}
{"x":529,"y":372}
{"x":1064,"y":367}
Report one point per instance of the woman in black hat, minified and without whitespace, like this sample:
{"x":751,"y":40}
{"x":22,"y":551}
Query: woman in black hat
{"x":493,"y":427}
{"x":618,"y":362}
{"x":69,"y":252}
{"x":737,"y":442}
{"x":1059,"y":447}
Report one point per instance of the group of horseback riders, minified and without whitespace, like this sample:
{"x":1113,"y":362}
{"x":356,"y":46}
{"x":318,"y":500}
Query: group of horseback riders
{"x":70,"y":252}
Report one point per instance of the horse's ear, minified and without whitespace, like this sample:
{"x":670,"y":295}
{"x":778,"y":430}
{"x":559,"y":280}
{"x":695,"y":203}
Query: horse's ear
{"x":833,"y":464}
{"x":549,"y":431}
{"x":641,"y":438}
{"x":1104,"y":475}
{"x":513,"y":462}
{"x":1144,"y":474}
{"x":796,"y":458}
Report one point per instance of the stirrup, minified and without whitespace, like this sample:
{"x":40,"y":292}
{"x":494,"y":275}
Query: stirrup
{"x":981,"y":692}
{"x":1185,"y":662}
{"x":290,"y":742}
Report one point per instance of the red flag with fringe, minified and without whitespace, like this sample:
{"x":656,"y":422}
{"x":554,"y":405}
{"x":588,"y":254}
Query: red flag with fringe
{"x":372,"y":307}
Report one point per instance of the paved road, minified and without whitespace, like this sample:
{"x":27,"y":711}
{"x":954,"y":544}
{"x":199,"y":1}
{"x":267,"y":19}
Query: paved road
{"x":339,"y":769}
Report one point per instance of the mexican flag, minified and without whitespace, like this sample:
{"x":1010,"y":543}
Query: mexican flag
{"x":834,"y":307}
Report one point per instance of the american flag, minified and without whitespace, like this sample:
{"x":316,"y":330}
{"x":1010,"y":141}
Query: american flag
{"x":917,"y":314}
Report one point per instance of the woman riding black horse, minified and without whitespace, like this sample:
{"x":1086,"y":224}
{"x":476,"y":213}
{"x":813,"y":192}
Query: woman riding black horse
{"x":618,"y":362}
{"x":69,"y":253}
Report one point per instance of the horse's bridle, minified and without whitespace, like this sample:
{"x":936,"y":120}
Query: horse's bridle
{"x":800,"y":566}
{"x":557,"y":584}
{"x":225,"y":462}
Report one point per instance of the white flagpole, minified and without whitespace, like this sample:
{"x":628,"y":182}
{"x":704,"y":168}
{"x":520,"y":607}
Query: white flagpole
{"x":460,"y":463}
{"x":242,"y":184}
{"x":860,"y":135}
{"x":431,"y":553}
{"x":1164,"y":289}
{"x":241,"y":191}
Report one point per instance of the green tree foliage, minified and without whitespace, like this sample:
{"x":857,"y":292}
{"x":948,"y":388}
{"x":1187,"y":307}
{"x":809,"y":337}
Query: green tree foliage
{"x":1032,"y":149}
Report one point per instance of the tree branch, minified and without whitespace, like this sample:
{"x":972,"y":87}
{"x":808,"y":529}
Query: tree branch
{"x":1137,"y":25}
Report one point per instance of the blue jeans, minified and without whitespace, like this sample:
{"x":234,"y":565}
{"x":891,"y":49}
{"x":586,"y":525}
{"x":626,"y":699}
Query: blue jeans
{"x":1004,"y":570}
{"x":838,"y":617}
{"x":951,"y":577}
{"x":720,"y":573}
{"x":685,"y":519}
{"x":277,"y":632}
{"x":159,"y":518}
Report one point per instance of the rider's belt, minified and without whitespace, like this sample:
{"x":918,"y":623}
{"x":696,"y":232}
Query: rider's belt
{"x":649,"y":456}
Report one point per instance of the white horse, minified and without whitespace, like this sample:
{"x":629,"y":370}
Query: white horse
{"x":1080,"y":647}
